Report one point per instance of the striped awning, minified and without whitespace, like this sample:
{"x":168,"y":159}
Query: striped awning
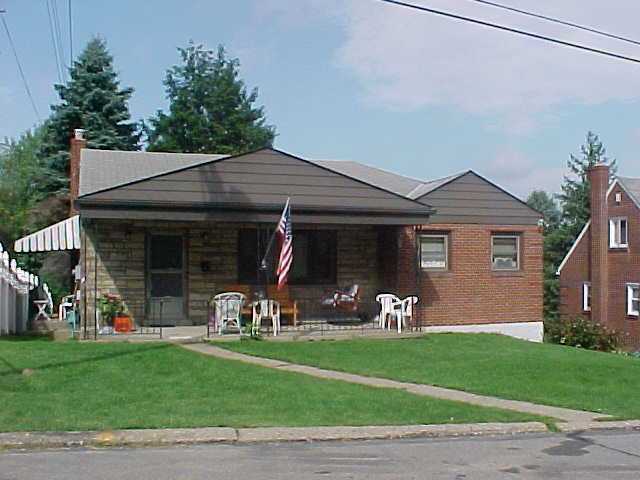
{"x":63,"y":235}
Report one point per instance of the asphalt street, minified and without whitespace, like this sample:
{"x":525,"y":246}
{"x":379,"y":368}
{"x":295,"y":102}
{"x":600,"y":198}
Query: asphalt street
{"x":605,"y":455}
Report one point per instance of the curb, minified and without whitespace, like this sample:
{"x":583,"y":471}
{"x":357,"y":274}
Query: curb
{"x":185,"y":436}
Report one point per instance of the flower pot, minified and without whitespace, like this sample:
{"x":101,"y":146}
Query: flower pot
{"x":122,"y":324}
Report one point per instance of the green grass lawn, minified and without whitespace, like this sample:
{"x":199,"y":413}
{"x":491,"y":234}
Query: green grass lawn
{"x":480,"y":363}
{"x":85,"y":386}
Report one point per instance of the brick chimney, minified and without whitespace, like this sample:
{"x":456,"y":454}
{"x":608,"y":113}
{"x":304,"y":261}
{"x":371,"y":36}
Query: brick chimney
{"x":599,"y":180}
{"x":77,"y":143}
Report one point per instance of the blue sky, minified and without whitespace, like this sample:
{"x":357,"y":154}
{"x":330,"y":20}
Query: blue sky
{"x":420,"y":95}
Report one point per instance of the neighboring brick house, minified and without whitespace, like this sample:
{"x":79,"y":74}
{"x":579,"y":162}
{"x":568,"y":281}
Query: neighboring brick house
{"x":173,"y":229}
{"x":600,"y":276}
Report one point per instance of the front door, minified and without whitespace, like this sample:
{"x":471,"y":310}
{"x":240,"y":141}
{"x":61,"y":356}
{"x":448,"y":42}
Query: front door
{"x":165,"y":279}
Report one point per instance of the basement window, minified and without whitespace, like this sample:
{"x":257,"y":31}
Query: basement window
{"x":618,"y":232}
{"x":633,"y":299}
{"x":586,"y":296}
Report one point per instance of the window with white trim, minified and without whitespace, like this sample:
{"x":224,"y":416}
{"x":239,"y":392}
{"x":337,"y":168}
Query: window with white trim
{"x":633,"y":299}
{"x":434,"y":251}
{"x":505,"y":252}
{"x":618,"y":232}
{"x":586,"y":296}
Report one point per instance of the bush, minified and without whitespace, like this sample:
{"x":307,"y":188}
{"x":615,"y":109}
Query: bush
{"x":581,"y":332}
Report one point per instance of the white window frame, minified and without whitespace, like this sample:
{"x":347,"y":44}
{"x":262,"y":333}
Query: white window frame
{"x":586,"y":296}
{"x":500,"y":269}
{"x":615,"y":232}
{"x":445,"y":241}
{"x":631,"y":287}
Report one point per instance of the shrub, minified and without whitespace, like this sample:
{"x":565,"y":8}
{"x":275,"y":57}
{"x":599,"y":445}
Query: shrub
{"x":581,"y":332}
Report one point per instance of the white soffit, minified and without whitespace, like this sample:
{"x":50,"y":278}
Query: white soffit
{"x":63,"y":235}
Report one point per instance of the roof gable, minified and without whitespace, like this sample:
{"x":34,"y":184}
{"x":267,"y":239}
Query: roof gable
{"x":470,"y":198}
{"x":260,"y":180}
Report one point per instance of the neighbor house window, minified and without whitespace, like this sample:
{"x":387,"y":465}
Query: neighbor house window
{"x":586,"y":296}
{"x":633,"y":299}
{"x":505,"y":252}
{"x":433,"y":251}
{"x":618,"y":232}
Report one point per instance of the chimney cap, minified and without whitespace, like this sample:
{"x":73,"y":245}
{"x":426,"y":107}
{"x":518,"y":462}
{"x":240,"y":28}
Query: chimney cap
{"x":78,"y":133}
{"x":600,"y":165}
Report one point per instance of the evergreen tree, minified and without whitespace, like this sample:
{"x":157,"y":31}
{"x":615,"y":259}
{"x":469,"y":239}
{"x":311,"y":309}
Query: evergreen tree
{"x":576,"y":211}
{"x":210,"y":110}
{"x":93,"y":101}
{"x":544,"y":203}
{"x":576,"y":208}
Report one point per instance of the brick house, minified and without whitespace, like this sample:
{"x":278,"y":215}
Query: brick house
{"x":173,"y":229}
{"x":600,"y":276}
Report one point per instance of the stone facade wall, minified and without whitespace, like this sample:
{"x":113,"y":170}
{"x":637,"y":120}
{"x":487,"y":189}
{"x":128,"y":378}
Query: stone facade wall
{"x":114,"y":258}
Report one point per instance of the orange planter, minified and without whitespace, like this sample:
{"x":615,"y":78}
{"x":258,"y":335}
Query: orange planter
{"x":122,"y":324}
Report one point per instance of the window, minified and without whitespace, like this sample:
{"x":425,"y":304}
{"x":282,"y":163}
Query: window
{"x":586,"y":296}
{"x":618,"y":232}
{"x":314,"y":256}
{"x":505,"y":252}
{"x":433,"y":251}
{"x":633,"y":299}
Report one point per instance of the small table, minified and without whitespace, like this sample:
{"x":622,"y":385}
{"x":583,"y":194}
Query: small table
{"x":266,"y":309}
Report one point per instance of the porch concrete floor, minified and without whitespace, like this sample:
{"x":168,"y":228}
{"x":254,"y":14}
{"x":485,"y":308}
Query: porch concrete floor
{"x":198,"y":333}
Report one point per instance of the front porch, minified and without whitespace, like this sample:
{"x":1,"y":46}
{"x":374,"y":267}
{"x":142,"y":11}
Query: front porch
{"x":166,"y":272}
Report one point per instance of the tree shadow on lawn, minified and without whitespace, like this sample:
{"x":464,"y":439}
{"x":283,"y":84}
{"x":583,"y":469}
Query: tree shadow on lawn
{"x":13,"y":370}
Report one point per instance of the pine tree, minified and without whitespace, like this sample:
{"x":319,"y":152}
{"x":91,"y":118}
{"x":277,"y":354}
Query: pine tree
{"x":576,"y":211}
{"x":93,"y":101}
{"x":576,"y":190}
{"x":210,"y":110}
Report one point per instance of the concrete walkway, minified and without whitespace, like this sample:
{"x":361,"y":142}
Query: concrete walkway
{"x":573,"y":417}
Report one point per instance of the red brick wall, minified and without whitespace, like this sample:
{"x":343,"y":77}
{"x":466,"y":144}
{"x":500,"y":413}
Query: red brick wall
{"x":623,"y":267}
{"x":574,"y":273}
{"x":469,"y":291}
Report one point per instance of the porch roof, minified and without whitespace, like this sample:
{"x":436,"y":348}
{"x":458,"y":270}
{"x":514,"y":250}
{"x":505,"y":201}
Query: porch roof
{"x":250,"y":187}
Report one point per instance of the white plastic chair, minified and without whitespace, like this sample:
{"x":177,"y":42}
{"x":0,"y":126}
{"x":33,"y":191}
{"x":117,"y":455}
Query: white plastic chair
{"x":228,"y":310}
{"x":269,"y":310}
{"x":405,"y":314}
{"x":45,"y":306}
{"x":389,"y":306}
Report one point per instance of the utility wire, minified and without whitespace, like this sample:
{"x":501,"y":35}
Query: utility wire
{"x":15,"y":54}
{"x":70,"y":36}
{"x":53,"y":42}
{"x":555,"y":20}
{"x":56,"y":23}
{"x":512,"y":30}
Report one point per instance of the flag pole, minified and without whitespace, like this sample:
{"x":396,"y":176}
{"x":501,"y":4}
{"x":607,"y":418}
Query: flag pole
{"x":264,"y":266}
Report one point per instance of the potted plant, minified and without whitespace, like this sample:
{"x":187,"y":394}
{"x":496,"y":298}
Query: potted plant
{"x":111,"y":308}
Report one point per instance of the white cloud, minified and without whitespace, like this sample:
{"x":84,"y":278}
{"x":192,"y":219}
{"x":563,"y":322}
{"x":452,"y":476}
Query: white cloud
{"x":520,"y":174}
{"x":408,"y":60}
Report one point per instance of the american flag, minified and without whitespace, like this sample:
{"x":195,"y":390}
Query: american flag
{"x":285,"y":234}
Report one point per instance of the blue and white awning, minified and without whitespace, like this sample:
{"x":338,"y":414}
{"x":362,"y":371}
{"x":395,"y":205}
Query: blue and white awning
{"x":63,"y":235}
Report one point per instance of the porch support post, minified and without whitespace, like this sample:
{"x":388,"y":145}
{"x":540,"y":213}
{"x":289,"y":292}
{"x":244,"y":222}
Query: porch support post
{"x":408,"y":278}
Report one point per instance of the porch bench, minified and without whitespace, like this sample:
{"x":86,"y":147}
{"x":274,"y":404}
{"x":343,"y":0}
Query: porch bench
{"x":287,"y":306}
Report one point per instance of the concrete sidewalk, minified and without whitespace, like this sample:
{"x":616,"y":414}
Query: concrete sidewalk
{"x":564,"y":414}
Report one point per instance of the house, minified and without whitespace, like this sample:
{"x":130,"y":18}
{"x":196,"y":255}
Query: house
{"x":166,"y":231}
{"x":600,"y":276}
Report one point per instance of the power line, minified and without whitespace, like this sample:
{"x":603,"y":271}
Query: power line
{"x":512,"y":30}
{"x":56,"y":23}
{"x":70,"y":36}
{"x":53,"y":43}
{"x":562,"y":22}
{"x":15,"y":54}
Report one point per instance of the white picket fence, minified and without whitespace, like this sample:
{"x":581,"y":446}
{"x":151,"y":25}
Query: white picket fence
{"x":15,"y":284}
